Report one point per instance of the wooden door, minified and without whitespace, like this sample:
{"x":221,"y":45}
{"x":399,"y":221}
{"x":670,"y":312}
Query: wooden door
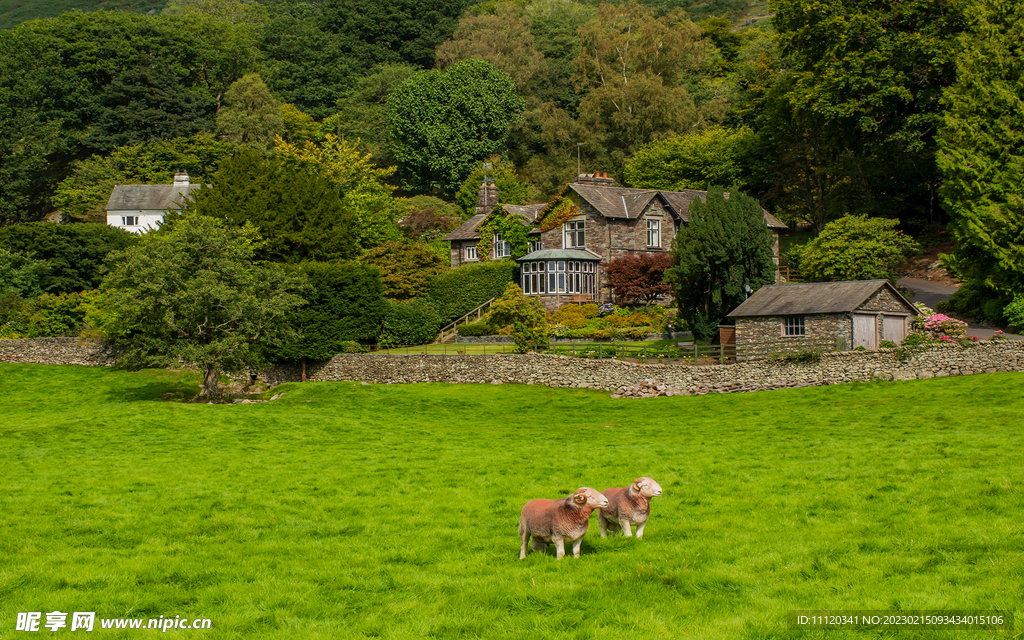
{"x":864,"y":332}
{"x":894,"y":328}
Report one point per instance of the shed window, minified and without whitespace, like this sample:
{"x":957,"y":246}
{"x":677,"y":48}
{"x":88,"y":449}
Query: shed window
{"x":129,"y":221}
{"x":793,"y":326}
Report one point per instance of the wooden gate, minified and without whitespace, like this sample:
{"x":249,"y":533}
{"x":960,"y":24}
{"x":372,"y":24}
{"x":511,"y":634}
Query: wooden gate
{"x":864,"y":332}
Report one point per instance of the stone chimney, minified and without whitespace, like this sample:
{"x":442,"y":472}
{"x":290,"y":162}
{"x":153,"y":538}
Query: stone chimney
{"x":597,"y":179}
{"x":486,"y":197}
{"x":181,"y":178}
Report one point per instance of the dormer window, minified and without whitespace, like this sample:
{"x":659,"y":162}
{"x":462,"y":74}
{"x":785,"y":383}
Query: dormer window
{"x":574,"y":235}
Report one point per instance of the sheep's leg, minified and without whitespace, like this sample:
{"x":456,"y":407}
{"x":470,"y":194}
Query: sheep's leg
{"x":604,"y":524}
{"x":626,"y":531}
{"x":538,"y":545}
{"x":559,"y":548}
{"x":640,"y":529}
{"x":526,"y":540}
{"x":576,"y":546}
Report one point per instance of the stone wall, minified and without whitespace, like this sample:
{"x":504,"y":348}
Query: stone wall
{"x":819,"y":326}
{"x":59,"y":351}
{"x":612,"y":375}
{"x":565,"y":371}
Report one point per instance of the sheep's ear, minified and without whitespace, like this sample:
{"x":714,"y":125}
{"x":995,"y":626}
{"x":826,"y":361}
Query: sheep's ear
{"x":580,"y":498}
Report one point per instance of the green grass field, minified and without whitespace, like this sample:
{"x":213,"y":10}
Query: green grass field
{"x":379,"y":511}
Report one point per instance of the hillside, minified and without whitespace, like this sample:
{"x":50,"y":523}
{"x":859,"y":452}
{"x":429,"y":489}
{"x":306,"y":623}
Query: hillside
{"x":13,"y":12}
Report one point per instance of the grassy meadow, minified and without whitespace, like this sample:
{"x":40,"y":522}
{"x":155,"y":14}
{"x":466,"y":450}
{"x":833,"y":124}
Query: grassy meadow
{"x":344,"y":510}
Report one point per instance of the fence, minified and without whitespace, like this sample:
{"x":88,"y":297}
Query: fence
{"x":449,"y":331}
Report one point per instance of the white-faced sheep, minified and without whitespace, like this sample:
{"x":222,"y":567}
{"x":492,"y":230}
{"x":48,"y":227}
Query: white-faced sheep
{"x":558,"y":521}
{"x":631,"y":505}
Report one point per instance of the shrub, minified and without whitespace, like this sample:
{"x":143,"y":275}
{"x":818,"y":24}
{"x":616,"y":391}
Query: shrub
{"x":525,"y":317}
{"x":590,"y":310}
{"x":461,"y":290}
{"x":797,"y":357}
{"x":638,"y":320}
{"x":344,"y":304}
{"x":639,"y":277}
{"x":942,"y":323}
{"x":55,"y":315}
{"x":409,"y":323}
{"x":1014,"y":313}
{"x":570,"y":315}
{"x":481,"y":328}
{"x":856,"y":248}
{"x":887,"y":344}
{"x":74,"y":253}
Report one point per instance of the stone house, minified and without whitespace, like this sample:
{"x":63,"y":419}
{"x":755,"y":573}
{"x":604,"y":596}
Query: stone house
{"x":140,"y":207}
{"x":600,"y":222}
{"x":860,"y":313}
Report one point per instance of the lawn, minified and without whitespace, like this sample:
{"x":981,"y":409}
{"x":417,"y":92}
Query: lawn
{"x":344,"y":510}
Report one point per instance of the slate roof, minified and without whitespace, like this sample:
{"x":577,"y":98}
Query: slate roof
{"x":468,"y":229}
{"x":560,"y":254}
{"x":813,"y":297}
{"x":149,"y":197}
{"x":621,"y":202}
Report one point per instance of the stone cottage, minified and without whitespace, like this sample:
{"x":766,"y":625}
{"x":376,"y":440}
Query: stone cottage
{"x":140,"y":207}
{"x":860,"y":313}
{"x":591,"y":223}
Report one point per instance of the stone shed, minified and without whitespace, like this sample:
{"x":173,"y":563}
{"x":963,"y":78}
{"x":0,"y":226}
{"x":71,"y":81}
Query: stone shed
{"x":860,"y":313}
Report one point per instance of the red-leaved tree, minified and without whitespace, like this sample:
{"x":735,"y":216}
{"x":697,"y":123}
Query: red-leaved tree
{"x":639,"y":277}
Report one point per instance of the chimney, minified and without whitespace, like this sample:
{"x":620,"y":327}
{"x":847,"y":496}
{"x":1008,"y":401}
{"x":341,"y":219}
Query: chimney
{"x":486,"y":197}
{"x":597,"y":179}
{"x":181,"y":178}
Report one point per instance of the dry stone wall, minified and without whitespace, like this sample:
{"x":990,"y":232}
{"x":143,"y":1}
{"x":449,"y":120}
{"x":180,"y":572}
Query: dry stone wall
{"x":610,"y":375}
{"x":59,"y":351}
{"x":614,"y":375}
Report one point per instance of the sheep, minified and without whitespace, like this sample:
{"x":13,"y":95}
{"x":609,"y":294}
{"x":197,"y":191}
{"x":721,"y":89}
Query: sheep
{"x":558,"y":521}
{"x":628,"y":506}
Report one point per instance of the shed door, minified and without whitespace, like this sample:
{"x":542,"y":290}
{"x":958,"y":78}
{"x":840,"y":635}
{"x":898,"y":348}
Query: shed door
{"x":894,"y":328}
{"x":864,"y":331}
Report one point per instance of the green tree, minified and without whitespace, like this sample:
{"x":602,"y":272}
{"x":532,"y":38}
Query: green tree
{"x":251,"y":115}
{"x":444,"y":122}
{"x":83,"y":195}
{"x":74,"y":253}
{"x":405,"y":268}
{"x":361,"y":187}
{"x":872,"y":75}
{"x":299,"y":214}
{"x":691,"y":160}
{"x":525,"y":316}
{"x":193,"y":293}
{"x":856,"y":248}
{"x":344,"y":304}
{"x":511,"y":190}
{"x":724,"y":248}
{"x":982,"y":152}
{"x":22,"y":274}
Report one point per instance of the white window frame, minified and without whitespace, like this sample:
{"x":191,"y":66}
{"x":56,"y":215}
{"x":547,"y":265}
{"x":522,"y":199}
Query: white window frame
{"x":471,"y":253}
{"x":653,"y":233}
{"x":558,"y":277}
{"x":794,"y":327}
{"x":574,"y":235}
{"x":502,"y":249}
{"x":129,"y":221}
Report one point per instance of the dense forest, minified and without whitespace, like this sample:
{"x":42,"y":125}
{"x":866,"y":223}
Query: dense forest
{"x":907,"y":111}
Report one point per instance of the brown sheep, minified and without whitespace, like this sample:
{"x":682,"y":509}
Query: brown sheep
{"x":558,"y":521}
{"x":628,"y":506}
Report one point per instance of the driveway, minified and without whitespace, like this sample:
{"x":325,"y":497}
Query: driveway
{"x":932,"y":293}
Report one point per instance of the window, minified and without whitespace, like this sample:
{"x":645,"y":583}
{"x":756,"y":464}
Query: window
{"x":793,"y":326}
{"x":534,"y":245}
{"x":574,"y":235}
{"x":502,"y":249}
{"x":129,"y":221}
{"x":558,"y":277}
{"x":471,"y":253}
{"x":654,"y":233}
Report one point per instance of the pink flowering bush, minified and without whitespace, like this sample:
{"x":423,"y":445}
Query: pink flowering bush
{"x":941,"y":323}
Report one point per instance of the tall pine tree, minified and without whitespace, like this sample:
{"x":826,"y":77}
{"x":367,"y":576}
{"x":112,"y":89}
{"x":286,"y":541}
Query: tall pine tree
{"x":725,"y":247}
{"x":982,"y":152}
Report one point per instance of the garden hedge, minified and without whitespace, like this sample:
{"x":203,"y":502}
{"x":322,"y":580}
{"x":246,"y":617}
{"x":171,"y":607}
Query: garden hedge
{"x":464,"y":288}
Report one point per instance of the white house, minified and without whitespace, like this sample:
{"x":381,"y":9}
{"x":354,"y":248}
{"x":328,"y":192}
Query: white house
{"x":139,"y":207}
